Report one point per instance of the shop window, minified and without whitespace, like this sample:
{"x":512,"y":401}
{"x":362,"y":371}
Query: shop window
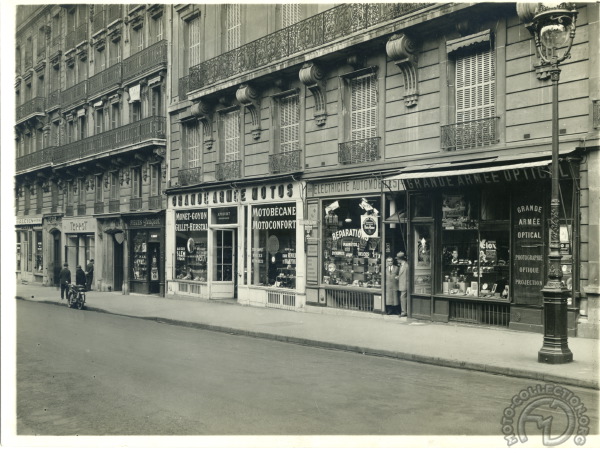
{"x":422,"y":266}
{"x":233,"y":26}
{"x":18,"y":251}
{"x":191,"y":245}
{"x":139,"y":255}
{"x":27,"y":250}
{"x":351,"y":242}
{"x":39,"y":252}
{"x":273,"y":230}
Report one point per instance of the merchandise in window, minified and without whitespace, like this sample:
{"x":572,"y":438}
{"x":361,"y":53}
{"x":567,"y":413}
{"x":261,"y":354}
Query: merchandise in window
{"x":422,"y":235}
{"x":39,"y":252}
{"x":139,"y":255}
{"x":351,"y":242}
{"x":274,"y":245}
{"x":191,"y":245}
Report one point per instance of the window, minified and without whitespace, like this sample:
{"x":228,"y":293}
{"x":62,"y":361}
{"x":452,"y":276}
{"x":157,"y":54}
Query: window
{"x":39,"y":200}
{"x":114,"y":52}
{"x":191,"y":246}
{"x":139,"y":265}
{"x":193,"y":42}
{"x":82,"y":127}
{"x":54,"y":196}
{"x":80,"y":191}
{"x":18,"y":250}
{"x":115,"y":115}
{"x":99,"y":121}
{"x":363,"y":104}
{"x":27,"y":205}
{"x":475,"y":86}
{"x":54,"y":79}
{"x":70,"y":131}
{"x":100,"y":60}
{"x":82,"y":70}
{"x":156,"y":99}
{"x":137,"y":40}
{"x":136,"y":111}
{"x":193,"y":148}
{"x":114,"y":185}
{"x":136,"y":177}
{"x":155,"y":179}
{"x":99,"y":189}
{"x":39,"y":252}
{"x":70,"y":76}
{"x":41,"y":92}
{"x":233,"y":25}
{"x":68,"y":194}
{"x":290,"y":14}
{"x":156,"y":30}
{"x":39,"y":139}
{"x":231,"y":126}
{"x":289,"y":122}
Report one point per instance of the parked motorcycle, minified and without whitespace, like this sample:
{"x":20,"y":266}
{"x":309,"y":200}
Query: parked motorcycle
{"x":76,"y":297}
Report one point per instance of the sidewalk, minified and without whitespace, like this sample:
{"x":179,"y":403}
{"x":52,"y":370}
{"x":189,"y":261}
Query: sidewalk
{"x":491,"y":350}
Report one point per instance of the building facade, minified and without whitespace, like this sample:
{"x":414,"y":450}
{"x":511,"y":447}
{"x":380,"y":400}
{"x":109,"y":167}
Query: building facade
{"x":302,"y":144}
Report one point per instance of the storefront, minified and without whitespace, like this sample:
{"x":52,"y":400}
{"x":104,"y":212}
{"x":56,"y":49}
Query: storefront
{"x":146,"y":253}
{"x":238,"y":244}
{"x":30,"y":249}
{"x":79,"y":241}
{"x":479,"y":243}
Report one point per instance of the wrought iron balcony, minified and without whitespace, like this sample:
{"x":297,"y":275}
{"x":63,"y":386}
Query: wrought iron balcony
{"x":77,"y":93}
{"x":37,"y":159}
{"x":184,"y":84}
{"x":81,"y":209}
{"x":147,"y":60}
{"x":285,"y":162}
{"x":114,"y":205}
{"x":54,"y":100}
{"x":69,"y":211}
{"x":152,"y":128}
{"x":135,"y":204}
{"x":227,"y":171}
{"x":36,"y":106}
{"x":105,"y":80}
{"x":354,"y":152}
{"x":155,"y":202}
{"x":99,"y":207}
{"x":470,"y":134}
{"x":189,"y":176}
{"x":317,"y":30}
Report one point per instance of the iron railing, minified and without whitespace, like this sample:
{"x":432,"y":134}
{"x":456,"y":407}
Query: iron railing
{"x":99,"y":207}
{"x":135,"y":204}
{"x":104,"y":80}
{"x":54,"y":100}
{"x":81,"y":209}
{"x":76,"y":93}
{"x":151,"y":128}
{"x":36,"y":159}
{"x":69,"y":211}
{"x":155,"y":202}
{"x":492,"y":314}
{"x":227,"y":171}
{"x":470,"y":134}
{"x":150,"y":58}
{"x":183,"y":88}
{"x":285,"y":162}
{"x":356,"y":151}
{"x":35,"y":105}
{"x":349,"y":300}
{"x":189,"y":176}
{"x":317,"y":30}
{"x":114,"y":205}
{"x":280,"y":299}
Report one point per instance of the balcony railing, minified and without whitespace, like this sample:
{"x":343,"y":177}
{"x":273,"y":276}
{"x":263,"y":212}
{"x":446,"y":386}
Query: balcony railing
{"x":76,"y":93}
{"x":155,"y":202}
{"x":317,"y":30}
{"x":285,"y":162}
{"x":81,"y":209}
{"x":54,"y":99}
{"x":354,"y":152}
{"x":99,"y":207}
{"x":104,"y":80}
{"x":114,"y":205}
{"x":227,"y":171}
{"x":69,"y":211}
{"x":189,"y":176}
{"x":29,"y":161}
{"x":153,"y":57}
{"x":184,"y":86}
{"x":470,"y":134}
{"x":135,"y":204}
{"x":152,"y":128}
{"x":36,"y":105}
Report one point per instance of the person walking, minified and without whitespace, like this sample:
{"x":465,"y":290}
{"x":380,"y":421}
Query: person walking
{"x":64,"y":279}
{"x":402,"y":283}
{"x":89,"y":274}
{"x":391,"y":287}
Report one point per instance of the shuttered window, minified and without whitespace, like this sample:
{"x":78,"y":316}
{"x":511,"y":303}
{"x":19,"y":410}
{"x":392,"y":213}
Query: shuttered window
{"x":193,"y":149}
{"x":290,"y":14}
{"x":289,"y":123}
{"x":193,"y":40}
{"x":475,"y":86}
{"x":114,"y":185}
{"x":363,"y":116}
{"x":231,"y":129}
{"x":233,"y":25}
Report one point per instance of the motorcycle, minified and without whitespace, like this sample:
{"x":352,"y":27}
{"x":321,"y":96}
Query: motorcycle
{"x":76,"y":298}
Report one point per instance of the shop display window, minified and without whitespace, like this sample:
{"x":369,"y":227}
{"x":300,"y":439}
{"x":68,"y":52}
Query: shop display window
{"x":351,"y":242}
{"x":39,"y":252}
{"x":422,"y":235}
{"x":273,"y":230}
{"x":139,"y":255}
{"x":191,"y":245}
{"x":18,"y":251}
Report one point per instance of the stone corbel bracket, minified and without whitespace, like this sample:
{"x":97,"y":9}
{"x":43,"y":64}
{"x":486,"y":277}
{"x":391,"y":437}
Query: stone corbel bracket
{"x":313,"y":77}
{"x":202,"y":110}
{"x":403,"y":51}
{"x":249,"y":98}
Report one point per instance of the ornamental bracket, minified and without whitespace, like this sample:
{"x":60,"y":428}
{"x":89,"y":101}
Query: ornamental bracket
{"x":249,"y":98}
{"x":202,"y":110}
{"x":313,"y":77}
{"x":402,"y":50}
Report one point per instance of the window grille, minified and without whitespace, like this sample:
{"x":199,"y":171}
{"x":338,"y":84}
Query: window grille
{"x":289,"y":123}
{"x":194,"y":150}
{"x":475,"y":86}
{"x":194,"y":41}
{"x":290,"y":14}
{"x":233,"y":25}
{"x":363,"y":116}
{"x":231,"y":125}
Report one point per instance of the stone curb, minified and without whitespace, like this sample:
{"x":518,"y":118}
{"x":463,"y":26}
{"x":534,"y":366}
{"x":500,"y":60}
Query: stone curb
{"x":429,"y":360}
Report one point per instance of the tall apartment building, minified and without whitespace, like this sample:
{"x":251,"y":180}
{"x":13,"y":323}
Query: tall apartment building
{"x":91,"y":143}
{"x":306,"y":143}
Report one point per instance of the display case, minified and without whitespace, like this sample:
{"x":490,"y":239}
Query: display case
{"x":422,"y":235}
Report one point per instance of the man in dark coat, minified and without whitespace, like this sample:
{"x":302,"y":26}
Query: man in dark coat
{"x":65,"y":279}
{"x":80,"y":276}
{"x":89,"y":274}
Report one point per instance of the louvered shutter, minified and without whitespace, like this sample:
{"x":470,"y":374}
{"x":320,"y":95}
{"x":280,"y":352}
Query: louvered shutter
{"x":290,"y":14}
{"x":193,"y":146}
{"x":475,"y":87}
{"x":289,"y":123}
{"x":194,"y":41}
{"x":232,"y":133}
{"x":232,"y":25}
{"x":363,"y":116}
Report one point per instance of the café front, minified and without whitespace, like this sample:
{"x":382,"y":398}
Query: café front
{"x":237,"y":243}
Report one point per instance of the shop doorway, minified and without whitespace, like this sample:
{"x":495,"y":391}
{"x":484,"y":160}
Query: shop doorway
{"x":224,"y":284}
{"x":154,"y":258}
{"x":56,"y":261}
{"x":118,"y":262}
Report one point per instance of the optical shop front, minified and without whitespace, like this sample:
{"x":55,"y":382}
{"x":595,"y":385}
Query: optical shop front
{"x":479,"y":241}
{"x":239,"y":244}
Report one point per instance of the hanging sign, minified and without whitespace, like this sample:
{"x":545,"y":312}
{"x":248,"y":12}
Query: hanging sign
{"x":370,"y":225}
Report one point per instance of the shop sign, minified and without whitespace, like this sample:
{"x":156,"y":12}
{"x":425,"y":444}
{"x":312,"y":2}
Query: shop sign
{"x":370,"y":225}
{"x":194,"y":220}
{"x":224,"y":216}
{"x":274,"y":217}
{"x":145,"y":222}
{"x":272,"y":192}
{"x":351,"y":187}
{"x":29,"y":220}
{"x":79,"y":226}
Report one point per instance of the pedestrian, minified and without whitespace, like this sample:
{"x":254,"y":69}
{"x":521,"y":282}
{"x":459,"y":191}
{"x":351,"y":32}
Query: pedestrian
{"x":65,"y":279}
{"x":402,"y":282}
{"x":89,"y":274}
{"x":80,"y":276}
{"x":391,"y":287}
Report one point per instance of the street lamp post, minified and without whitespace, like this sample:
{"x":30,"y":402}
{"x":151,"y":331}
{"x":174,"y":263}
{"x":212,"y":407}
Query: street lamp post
{"x":553,"y":27}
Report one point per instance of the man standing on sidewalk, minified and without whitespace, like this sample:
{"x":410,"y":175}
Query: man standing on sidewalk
{"x":89,"y":270}
{"x":402,"y":282}
{"x":65,"y":279}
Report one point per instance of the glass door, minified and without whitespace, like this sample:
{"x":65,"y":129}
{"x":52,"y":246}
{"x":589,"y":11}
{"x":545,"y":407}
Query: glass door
{"x":224,"y":264}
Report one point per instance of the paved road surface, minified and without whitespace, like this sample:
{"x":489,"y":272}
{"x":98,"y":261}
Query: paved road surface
{"x":89,"y":373}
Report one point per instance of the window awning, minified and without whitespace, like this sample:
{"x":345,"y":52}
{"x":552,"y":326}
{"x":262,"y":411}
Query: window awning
{"x":482,"y":38}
